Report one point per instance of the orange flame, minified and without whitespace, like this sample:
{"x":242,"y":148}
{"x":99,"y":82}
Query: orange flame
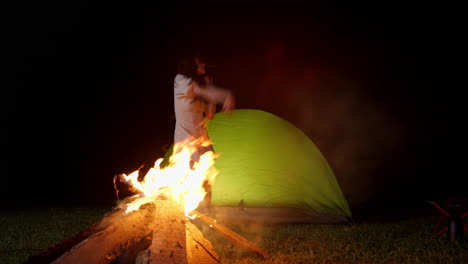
{"x":182,"y":179}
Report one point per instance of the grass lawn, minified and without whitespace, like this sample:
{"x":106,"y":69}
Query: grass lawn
{"x":26,"y":232}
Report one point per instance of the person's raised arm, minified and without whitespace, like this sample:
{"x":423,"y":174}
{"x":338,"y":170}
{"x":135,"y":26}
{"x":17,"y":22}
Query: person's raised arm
{"x":215,"y":95}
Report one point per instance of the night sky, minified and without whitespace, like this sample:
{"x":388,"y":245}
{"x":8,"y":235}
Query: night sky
{"x":376,"y":86}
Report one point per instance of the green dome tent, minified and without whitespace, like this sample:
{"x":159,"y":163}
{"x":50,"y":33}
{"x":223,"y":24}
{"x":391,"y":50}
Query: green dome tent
{"x":270,"y":171}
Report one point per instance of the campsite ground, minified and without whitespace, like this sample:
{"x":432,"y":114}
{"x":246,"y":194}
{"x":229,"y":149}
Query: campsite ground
{"x":380,"y":235}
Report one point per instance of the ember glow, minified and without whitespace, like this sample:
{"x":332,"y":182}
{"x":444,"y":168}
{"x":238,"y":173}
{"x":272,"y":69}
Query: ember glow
{"x":182,"y":179}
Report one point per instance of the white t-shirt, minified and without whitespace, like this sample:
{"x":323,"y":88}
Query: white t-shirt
{"x":189,"y":111}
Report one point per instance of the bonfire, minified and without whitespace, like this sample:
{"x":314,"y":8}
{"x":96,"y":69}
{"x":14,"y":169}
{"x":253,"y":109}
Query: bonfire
{"x":154,"y":226}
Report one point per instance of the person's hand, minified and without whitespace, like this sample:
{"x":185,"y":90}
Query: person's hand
{"x":229,"y":104}
{"x":210,"y":111}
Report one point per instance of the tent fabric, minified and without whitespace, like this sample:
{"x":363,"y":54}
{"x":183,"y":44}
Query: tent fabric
{"x":274,"y":215}
{"x":270,"y":171}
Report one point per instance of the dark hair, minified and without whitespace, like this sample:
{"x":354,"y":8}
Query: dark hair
{"x":188,"y":68}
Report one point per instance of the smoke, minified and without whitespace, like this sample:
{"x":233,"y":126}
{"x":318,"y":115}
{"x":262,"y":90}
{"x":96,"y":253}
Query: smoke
{"x":335,"y":102}
{"x":354,"y":132}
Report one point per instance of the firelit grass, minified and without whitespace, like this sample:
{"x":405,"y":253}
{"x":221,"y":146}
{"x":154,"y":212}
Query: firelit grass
{"x":26,"y":232}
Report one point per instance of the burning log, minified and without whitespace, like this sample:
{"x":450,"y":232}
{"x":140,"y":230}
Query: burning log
{"x":176,"y":240}
{"x":231,"y":235}
{"x":169,"y":236}
{"x":160,"y":227}
{"x":107,"y":245}
{"x":201,"y":248}
{"x":118,"y":238}
{"x":49,"y":255}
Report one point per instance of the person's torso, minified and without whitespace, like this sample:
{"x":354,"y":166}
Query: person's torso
{"x":189,"y":111}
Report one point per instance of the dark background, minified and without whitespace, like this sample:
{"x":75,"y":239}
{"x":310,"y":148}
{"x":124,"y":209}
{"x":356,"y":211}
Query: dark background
{"x":376,"y":86}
